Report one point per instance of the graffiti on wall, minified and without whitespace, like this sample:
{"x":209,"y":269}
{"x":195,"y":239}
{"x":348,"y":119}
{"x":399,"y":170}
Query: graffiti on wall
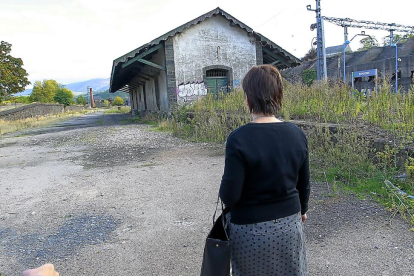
{"x":236,"y":83}
{"x":190,"y":91}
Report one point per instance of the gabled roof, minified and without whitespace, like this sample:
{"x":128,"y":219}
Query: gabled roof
{"x":289,"y":59}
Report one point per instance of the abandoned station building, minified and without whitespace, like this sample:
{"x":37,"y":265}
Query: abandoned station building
{"x":380,"y":58}
{"x":209,"y":54}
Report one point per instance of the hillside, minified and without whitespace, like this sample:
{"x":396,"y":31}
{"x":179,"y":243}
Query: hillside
{"x":105,"y":95}
{"x":95,"y":84}
{"x":79,"y":87}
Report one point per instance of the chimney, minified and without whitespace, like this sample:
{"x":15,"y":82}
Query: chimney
{"x":92,"y":101}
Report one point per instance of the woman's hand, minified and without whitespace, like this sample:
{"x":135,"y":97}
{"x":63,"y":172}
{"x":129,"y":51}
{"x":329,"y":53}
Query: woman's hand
{"x":44,"y":270}
{"x":304,"y":217}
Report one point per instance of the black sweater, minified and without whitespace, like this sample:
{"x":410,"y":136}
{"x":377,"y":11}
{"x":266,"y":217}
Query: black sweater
{"x":266,"y":173}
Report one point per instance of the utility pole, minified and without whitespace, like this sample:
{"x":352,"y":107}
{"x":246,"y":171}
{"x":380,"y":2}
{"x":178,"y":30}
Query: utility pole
{"x":320,"y":41}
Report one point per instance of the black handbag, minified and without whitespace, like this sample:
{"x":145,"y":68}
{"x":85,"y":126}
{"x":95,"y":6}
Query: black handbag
{"x":216,"y":258}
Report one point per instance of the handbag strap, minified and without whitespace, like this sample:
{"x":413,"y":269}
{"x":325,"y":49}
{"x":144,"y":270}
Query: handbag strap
{"x":224,"y":219}
{"x":215,"y":211}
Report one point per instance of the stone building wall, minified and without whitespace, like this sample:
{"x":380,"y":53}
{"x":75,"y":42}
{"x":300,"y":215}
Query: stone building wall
{"x":35,"y":110}
{"x":212,"y":43}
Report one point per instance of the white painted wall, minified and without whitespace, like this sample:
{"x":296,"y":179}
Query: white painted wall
{"x":213,"y":42}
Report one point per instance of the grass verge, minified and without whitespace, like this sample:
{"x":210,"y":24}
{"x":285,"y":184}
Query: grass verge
{"x":41,"y":121}
{"x":115,"y":109}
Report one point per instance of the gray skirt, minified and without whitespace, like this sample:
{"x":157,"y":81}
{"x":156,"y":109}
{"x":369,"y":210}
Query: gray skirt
{"x":275,"y":247}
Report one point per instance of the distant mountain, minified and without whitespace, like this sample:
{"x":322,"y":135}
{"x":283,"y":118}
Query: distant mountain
{"x":26,"y":92}
{"x":95,"y":84}
{"x":79,"y":87}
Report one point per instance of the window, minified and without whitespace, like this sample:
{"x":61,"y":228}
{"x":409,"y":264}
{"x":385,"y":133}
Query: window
{"x":217,"y":80}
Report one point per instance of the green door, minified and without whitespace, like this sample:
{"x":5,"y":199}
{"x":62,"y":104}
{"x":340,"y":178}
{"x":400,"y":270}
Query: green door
{"x":216,"y":84}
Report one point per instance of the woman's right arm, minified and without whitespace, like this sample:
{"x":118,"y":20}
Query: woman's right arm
{"x":303,"y":184}
{"x":233,"y":177}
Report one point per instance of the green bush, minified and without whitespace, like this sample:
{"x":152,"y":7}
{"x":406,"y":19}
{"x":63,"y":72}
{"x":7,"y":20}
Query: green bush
{"x":81,"y":100}
{"x":105,"y":103}
{"x":309,"y":76}
{"x":118,"y":101}
{"x":63,"y":96}
{"x":22,"y":99}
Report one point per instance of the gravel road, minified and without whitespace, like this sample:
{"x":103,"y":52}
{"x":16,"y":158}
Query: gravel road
{"x":96,"y":196}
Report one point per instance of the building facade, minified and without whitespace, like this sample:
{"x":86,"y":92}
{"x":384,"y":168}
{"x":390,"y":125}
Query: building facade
{"x":209,"y":54}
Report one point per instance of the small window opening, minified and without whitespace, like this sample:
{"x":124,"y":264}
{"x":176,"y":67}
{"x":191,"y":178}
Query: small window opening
{"x":217,"y":73}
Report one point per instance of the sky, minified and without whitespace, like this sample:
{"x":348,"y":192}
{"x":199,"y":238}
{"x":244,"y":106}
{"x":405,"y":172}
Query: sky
{"x":77,"y":40}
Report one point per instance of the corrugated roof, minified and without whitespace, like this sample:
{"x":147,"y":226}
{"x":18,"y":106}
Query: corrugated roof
{"x":294,"y":61}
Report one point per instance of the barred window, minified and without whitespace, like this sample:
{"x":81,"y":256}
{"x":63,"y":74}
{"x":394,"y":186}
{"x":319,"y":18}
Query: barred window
{"x":217,"y":73}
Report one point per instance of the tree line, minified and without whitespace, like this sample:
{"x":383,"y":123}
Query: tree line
{"x":13,"y":79}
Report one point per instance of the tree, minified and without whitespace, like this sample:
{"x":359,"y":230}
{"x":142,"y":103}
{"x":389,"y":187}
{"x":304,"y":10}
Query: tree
{"x":45,"y":91}
{"x":397,"y":39}
{"x":367,"y":43}
{"x":309,"y":76}
{"x":13,"y":78}
{"x":118,"y":101}
{"x":21,"y":99}
{"x":311,"y":54}
{"x":63,"y":96}
{"x":81,"y":100}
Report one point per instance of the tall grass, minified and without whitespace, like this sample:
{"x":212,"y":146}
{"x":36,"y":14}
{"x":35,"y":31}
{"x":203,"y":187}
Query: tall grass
{"x":351,"y":156}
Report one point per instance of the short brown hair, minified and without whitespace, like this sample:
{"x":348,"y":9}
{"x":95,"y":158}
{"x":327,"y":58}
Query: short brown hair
{"x":263,"y":87}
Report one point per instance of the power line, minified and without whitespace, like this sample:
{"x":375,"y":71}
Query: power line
{"x":364,"y":24}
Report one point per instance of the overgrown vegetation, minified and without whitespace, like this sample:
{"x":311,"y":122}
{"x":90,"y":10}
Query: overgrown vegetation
{"x":356,"y":140}
{"x":118,"y":101}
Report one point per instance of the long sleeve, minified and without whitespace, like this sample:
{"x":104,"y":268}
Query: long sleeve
{"x":303,"y":185}
{"x":234,"y":174}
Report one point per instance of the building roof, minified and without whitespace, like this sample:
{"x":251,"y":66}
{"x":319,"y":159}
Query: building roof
{"x":356,"y":58}
{"x":334,"y":50}
{"x":288,"y":59}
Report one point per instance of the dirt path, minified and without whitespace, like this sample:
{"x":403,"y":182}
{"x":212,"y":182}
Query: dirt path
{"x":96,"y":197}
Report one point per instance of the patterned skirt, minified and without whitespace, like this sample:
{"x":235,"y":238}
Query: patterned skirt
{"x":275,"y":247}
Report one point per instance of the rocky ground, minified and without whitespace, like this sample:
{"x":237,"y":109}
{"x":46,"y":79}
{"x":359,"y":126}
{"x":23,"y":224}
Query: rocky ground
{"x":97,"y":196}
